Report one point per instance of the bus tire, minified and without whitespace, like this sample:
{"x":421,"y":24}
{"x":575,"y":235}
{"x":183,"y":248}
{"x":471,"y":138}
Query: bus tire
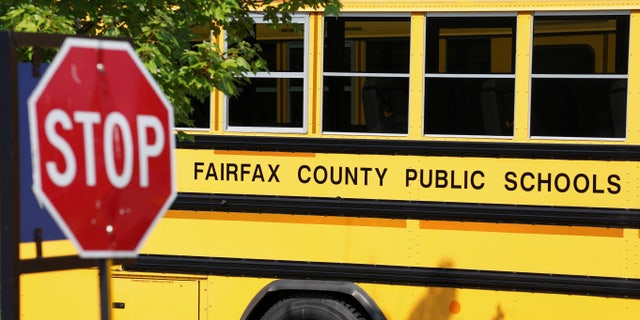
{"x":318,"y":307}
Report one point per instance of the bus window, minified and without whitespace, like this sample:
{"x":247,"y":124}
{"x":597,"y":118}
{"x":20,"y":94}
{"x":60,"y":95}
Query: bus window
{"x":275,"y":100}
{"x":366,"y":74}
{"x":469,"y":84}
{"x":579,"y":76}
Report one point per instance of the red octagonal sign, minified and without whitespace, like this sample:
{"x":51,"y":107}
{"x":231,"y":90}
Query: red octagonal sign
{"x":102,"y":147}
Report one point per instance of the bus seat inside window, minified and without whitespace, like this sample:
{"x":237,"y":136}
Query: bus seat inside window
{"x":579,"y":76}
{"x":273,"y":99}
{"x":366,"y":74}
{"x":469,"y":83}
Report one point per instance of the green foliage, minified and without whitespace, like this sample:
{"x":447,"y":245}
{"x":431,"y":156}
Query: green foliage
{"x":167,"y":37}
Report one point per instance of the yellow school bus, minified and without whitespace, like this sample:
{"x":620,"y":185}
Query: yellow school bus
{"x":405,"y":160}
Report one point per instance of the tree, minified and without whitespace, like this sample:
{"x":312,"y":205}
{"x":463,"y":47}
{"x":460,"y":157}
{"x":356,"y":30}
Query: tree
{"x":171,"y":37}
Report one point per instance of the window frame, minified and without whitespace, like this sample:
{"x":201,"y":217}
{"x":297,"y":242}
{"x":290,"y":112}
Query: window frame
{"x":533,"y":76}
{"x":298,"y":18}
{"x":433,"y":75}
{"x":356,"y":74}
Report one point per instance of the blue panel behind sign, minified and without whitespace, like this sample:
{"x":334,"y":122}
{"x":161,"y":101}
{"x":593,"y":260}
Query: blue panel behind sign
{"x":32,"y":216}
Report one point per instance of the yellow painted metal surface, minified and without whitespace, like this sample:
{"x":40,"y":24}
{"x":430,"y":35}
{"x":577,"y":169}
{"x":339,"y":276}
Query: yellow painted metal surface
{"x":633,"y":98}
{"x":416,"y":74}
{"x":486,"y":5}
{"x":316,"y":33}
{"x":523,"y":82}
{"x":464,"y":245}
{"x":416,"y":303}
{"x":155,"y":297}
{"x":72,"y":294}
{"x":541,"y":249}
{"x":280,"y":237}
{"x":631,"y":265}
{"x":228,"y":297}
{"x":52,"y":248}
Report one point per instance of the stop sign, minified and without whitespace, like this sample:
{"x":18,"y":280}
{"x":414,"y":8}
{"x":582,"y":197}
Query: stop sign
{"x":102,"y":147}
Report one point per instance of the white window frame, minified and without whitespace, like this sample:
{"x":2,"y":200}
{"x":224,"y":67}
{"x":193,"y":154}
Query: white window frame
{"x":304,"y":75}
{"x":465,"y":75}
{"x":362,"y":74}
{"x":573,"y":76}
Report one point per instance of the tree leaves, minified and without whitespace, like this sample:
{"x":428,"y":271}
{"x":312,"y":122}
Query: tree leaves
{"x":167,"y":37}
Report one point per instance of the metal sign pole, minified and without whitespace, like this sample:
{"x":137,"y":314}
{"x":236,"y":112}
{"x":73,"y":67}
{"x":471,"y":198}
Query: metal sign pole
{"x":9,"y":182}
{"x":105,"y":289}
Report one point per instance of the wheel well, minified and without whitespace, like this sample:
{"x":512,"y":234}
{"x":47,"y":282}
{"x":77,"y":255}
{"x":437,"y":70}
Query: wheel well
{"x":281,"y":289}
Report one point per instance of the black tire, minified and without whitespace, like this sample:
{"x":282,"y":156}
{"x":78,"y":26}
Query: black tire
{"x":312,"y":308}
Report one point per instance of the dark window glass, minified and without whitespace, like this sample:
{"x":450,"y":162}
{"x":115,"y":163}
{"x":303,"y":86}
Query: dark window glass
{"x":470,"y":45}
{"x":463,"y":95}
{"x":282,"y":48}
{"x":578,"y":107}
{"x":579,"y":86}
{"x":273,"y":100}
{"x":353,"y":102}
{"x":473,"y":106}
{"x":201,"y":112}
{"x":259,"y":104}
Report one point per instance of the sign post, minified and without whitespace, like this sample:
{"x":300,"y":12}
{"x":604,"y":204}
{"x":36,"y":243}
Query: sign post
{"x":102,"y":148}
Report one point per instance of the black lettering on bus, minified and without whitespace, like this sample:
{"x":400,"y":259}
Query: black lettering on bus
{"x":257,"y":174}
{"x":274,"y":172}
{"x":334,"y":179}
{"x":244,"y":170}
{"x":542,"y":181}
{"x":511,"y":184}
{"x":567,"y":182}
{"x":441,"y":179}
{"x":422,"y":184}
{"x":323,"y":170}
{"x":211,"y":171}
{"x":300,"y":178}
{"x":351,"y":176}
{"x":576,"y":183}
{"x":614,"y":184}
{"x":410,"y":175}
{"x":366,"y":175}
{"x":466,"y":179}
{"x":453,"y":180}
{"x":595,"y":185}
{"x":196,"y":169}
{"x":475,"y":185}
{"x":381,"y":174}
{"x":531,"y":186}
{"x":232,"y":170}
